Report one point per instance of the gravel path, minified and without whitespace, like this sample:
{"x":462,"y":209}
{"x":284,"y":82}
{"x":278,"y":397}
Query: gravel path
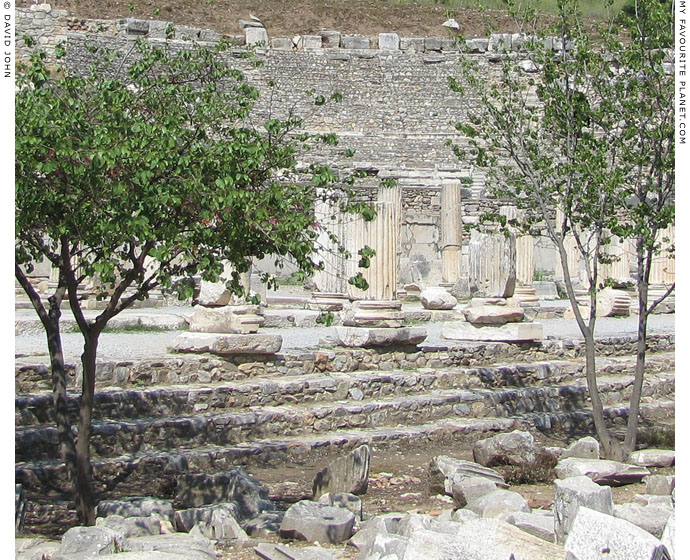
{"x":151,"y":344}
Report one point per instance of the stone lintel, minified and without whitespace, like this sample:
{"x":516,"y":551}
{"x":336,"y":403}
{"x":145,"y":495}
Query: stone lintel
{"x":228,"y":344}
{"x":511,"y":332}
{"x":362,"y":337}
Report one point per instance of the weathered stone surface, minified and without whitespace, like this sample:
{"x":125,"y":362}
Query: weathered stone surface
{"x":541,"y":526}
{"x":95,"y":541}
{"x":251,"y":496}
{"x":601,"y":471}
{"x":668,"y":537}
{"x":653,"y":458}
{"x":386,"y":545}
{"x":229,"y":319}
{"x":497,"y":503}
{"x":493,"y":315}
{"x":584,"y":448}
{"x":467,"y":489}
{"x":19,"y":508}
{"x":652,"y":518}
{"x":481,"y":539}
{"x":463,"y":515}
{"x":330,"y":39}
{"x":255,"y":36}
{"x":312,"y":522}
{"x":659,"y":485}
{"x":224,"y":526}
{"x":264,"y":525}
{"x":269,"y":551}
{"x":613,"y":303}
{"x":363,"y":337}
{"x":137,"y":506}
{"x":34,"y":549}
{"x":311,"y":42}
{"x":343,"y":500}
{"x":131,"y":526}
{"x":389,"y":41}
{"x":413,"y":522}
{"x":511,"y":332}
{"x":595,"y":535}
{"x":213,"y":294}
{"x":281,"y":44}
{"x":186,"y":519}
{"x":445,"y":470}
{"x":514,"y":448}
{"x":374,"y":314}
{"x":186,"y":546}
{"x":355,"y":42}
{"x":570,"y":495}
{"x":492,"y":264}
{"x":228,"y":344}
{"x":349,"y":473}
{"x":363,"y":539}
{"x":437,"y":298}
{"x":648,"y":499}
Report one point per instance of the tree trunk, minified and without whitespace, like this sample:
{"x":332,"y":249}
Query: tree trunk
{"x":86,"y":503}
{"x":68,"y":451}
{"x":634,"y":409}
{"x":609,"y":445}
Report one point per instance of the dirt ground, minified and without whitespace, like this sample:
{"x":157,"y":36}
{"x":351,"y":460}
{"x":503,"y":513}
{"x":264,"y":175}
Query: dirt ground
{"x":398,"y":483}
{"x":289,"y":17}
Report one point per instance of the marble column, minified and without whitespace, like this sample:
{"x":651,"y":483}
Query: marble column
{"x":451,"y":232}
{"x":492,"y":264}
{"x":331,"y":282}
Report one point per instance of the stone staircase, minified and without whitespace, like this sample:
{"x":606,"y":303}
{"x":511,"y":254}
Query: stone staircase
{"x":155,"y":420}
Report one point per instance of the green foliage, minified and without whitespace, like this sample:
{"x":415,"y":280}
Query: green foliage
{"x":326,"y":319}
{"x":151,"y":155}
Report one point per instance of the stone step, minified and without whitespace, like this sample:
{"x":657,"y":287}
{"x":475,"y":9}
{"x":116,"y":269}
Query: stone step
{"x":156,"y":471}
{"x":112,"y":437}
{"x":117,"y":404}
{"x":31,"y":377}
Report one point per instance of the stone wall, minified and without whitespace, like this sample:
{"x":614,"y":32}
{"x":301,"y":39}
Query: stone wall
{"x":397,"y":110}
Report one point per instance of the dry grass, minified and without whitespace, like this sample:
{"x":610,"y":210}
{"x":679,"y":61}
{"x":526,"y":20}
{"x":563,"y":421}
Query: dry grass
{"x":290,"y":17}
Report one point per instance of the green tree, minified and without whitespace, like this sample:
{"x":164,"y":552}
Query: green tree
{"x":143,"y":172}
{"x":564,"y":130}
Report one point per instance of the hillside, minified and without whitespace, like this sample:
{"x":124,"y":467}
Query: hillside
{"x":290,"y":17}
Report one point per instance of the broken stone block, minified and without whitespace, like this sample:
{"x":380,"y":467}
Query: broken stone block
{"x":269,"y":551}
{"x":493,"y":315}
{"x":464,"y":515}
{"x":237,"y":486}
{"x":255,"y":36}
{"x":668,"y":537}
{"x":595,"y":535}
{"x":228,"y":344}
{"x":649,"y":499}
{"x":601,"y":471}
{"x":363,"y":337}
{"x":137,"y":506}
{"x":213,"y":294}
{"x":573,"y":493}
{"x":412,"y":522}
{"x":312,"y":522}
{"x":514,"y":448}
{"x":355,"y":42}
{"x":497,"y":503}
{"x":95,"y":541}
{"x":659,"y":485}
{"x":437,"y":298}
{"x":541,"y":526}
{"x":613,"y":303}
{"x":389,"y":41}
{"x":281,"y":44}
{"x":386,"y":544}
{"x":187,"y":519}
{"x":444,"y":471}
{"x":584,"y":448}
{"x":349,"y":473}
{"x":131,"y":526}
{"x":653,"y":458}
{"x":467,"y":489}
{"x":228,"y":319}
{"x":330,"y":39}
{"x":224,"y":526}
{"x":481,"y":539}
{"x":264,"y":525}
{"x":511,"y":332}
{"x":187,"y":546}
{"x":343,"y":500}
{"x":652,"y":518}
